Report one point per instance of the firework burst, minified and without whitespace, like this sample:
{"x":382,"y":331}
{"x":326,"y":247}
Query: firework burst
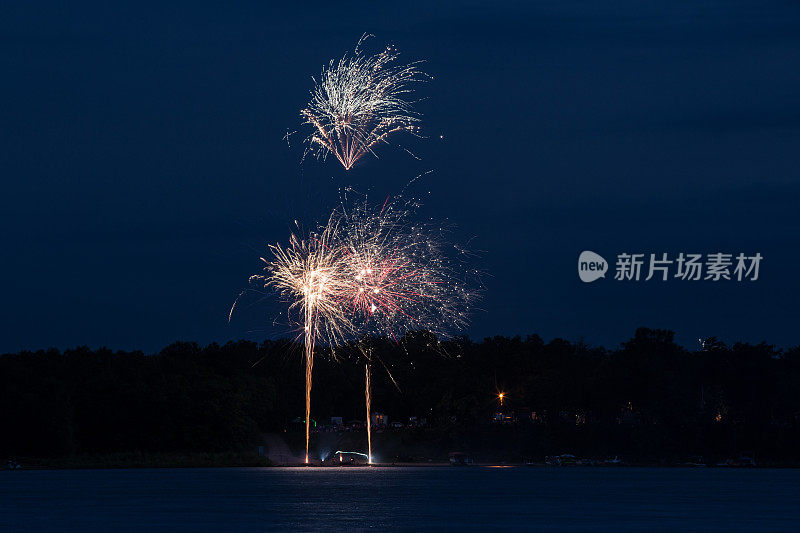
{"x":368,"y":271}
{"x":308,"y":273}
{"x":397,"y":276}
{"x":397,"y":279}
{"x":358,"y":102}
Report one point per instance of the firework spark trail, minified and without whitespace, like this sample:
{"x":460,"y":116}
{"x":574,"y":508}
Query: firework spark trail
{"x":397,"y":279}
{"x":368,"y":399}
{"x":309,"y":353}
{"x":308,"y":273}
{"x":358,"y":102}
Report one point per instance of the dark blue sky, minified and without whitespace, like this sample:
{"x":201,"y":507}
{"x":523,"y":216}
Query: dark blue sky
{"x":144,"y":170}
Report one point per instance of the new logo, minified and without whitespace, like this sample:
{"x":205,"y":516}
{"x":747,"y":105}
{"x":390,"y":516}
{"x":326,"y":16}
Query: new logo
{"x":591,"y":266}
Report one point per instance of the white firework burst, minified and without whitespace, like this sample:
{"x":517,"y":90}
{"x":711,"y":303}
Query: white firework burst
{"x":358,"y":102}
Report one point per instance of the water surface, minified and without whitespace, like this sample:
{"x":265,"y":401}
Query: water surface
{"x":556,"y":499}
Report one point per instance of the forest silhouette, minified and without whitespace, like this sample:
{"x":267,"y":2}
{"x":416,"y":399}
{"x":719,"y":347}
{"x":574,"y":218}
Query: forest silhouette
{"x":649,"y":400}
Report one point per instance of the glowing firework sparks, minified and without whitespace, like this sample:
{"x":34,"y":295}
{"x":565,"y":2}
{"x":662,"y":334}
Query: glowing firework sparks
{"x":367,"y":397}
{"x":358,"y":102}
{"x":398,"y":279}
{"x":368,"y":271}
{"x":308,"y":273}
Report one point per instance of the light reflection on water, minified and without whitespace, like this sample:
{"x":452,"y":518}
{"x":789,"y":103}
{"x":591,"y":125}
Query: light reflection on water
{"x":567,"y":499}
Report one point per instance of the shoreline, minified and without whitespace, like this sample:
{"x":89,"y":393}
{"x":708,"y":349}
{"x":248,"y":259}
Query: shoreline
{"x":200,"y":461}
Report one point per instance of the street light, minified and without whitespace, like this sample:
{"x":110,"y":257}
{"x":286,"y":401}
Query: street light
{"x":500,"y":397}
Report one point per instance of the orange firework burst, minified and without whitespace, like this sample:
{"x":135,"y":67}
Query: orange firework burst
{"x":308,"y":273}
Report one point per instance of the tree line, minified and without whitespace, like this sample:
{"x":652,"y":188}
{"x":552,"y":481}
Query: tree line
{"x":649,"y":398}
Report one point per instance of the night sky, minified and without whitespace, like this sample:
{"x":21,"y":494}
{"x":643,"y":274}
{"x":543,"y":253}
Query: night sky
{"x":144,"y":168}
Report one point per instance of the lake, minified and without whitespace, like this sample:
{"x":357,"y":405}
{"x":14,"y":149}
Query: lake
{"x":555,"y":499}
